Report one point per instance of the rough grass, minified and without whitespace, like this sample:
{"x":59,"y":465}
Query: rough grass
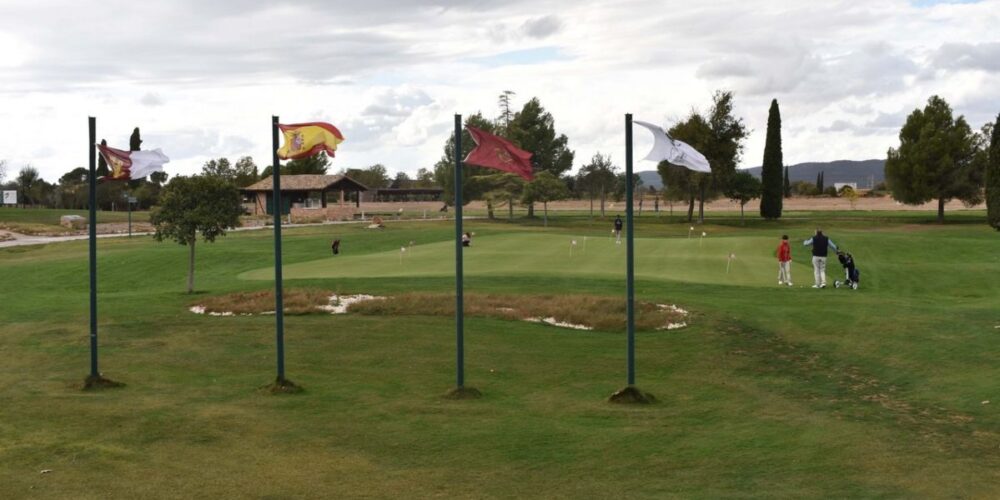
{"x":296,"y":301}
{"x":600,"y":313}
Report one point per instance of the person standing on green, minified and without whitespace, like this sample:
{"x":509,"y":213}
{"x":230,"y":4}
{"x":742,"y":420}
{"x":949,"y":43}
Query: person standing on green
{"x":784,"y":262}
{"x":821,"y":246}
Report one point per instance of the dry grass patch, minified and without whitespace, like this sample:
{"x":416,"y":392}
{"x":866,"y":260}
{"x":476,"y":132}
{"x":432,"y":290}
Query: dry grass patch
{"x":601,"y":313}
{"x":581,"y":312}
{"x":297,"y":301}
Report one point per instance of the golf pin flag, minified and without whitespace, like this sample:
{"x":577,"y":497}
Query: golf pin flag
{"x":303,"y":140}
{"x":496,"y":152}
{"x":666,"y":148}
{"x":128,"y":165}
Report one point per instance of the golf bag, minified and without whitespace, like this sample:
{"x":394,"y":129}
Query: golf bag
{"x":852,"y":275}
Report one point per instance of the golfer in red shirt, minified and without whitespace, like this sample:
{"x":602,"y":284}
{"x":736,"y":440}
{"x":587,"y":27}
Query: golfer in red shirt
{"x":784,"y":262}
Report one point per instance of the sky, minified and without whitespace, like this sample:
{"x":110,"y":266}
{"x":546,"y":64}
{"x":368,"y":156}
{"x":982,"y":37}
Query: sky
{"x":202,"y":78}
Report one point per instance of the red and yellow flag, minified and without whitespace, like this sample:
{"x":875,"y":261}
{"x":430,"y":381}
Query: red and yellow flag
{"x":303,"y":140}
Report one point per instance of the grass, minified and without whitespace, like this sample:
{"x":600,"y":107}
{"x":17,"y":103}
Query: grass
{"x":46,"y":220}
{"x":771,"y":392}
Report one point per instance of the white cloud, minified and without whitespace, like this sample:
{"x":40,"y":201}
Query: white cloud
{"x":202,"y":79}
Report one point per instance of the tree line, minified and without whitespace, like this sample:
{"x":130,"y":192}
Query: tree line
{"x":940,"y":157}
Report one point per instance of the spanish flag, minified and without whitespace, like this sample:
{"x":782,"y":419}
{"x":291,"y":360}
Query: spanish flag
{"x":303,"y":140}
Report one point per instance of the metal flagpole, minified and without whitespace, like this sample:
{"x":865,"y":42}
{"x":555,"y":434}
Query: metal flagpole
{"x":92,"y":227}
{"x":629,"y":254}
{"x":459,"y":302}
{"x":279,"y":308}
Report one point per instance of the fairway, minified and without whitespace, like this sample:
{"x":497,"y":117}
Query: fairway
{"x":887,"y":391}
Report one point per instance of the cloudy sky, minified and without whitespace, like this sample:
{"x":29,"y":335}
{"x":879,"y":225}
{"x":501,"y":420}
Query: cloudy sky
{"x":202,"y":78}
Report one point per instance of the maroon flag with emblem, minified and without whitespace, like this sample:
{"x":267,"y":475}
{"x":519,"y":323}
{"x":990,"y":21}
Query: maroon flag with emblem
{"x":499,"y":153}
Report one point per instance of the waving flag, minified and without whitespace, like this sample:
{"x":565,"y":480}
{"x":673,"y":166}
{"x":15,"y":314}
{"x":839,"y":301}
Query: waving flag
{"x":129,"y":165}
{"x":303,"y":140}
{"x":666,"y":148}
{"x":499,"y":153}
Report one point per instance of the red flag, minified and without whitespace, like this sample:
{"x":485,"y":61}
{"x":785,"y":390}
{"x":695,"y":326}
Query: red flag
{"x":496,"y":152}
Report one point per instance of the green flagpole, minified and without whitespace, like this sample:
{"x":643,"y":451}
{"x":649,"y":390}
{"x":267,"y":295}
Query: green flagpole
{"x":459,"y":299}
{"x":92,"y":229}
{"x":94,"y":380}
{"x":629,"y":254}
{"x":630,"y":394}
{"x":281,"y":384}
{"x":460,"y":391}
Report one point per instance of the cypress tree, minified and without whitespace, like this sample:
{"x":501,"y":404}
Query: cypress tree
{"x":993,"y":178}
{"x":134,"y":142}
{"x":819,"y":182}
{"x":771,"y":174}
{"x":788,"y":185}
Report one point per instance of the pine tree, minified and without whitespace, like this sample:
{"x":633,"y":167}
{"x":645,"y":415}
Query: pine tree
{"x":771,"y":174}
{"x":993,"y":178}
{"x":788,"y":185}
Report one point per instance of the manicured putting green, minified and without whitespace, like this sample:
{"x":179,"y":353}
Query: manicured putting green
{"x":531,"y":254}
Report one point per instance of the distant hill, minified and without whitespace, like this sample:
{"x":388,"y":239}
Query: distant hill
{"x":864,"y":172}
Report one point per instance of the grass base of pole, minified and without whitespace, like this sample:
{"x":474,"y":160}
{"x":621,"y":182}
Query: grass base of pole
{"x":463,"y":393}
{"x":631,"y":395}
{"x":283,"y":386}
{"x":97,"y":382}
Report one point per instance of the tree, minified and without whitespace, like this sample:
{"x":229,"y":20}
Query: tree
{"x":498,"y":189}
{"x":850,"y":194}
{"x":544,"y":188}
{"x":134,"y":141}
{"x":505,"y":114}
{"x":102,"y":165}
{"x":315,"y":165}
{"x":158,"y":178}
{"x":425,"y":178}
{"x":819,"y":182}
{"x":743,"y":187}
{"x":73,"y":188}
{"x":788,"y":185}
{"x":192,"y":205}
{"x":29,"y":184}
{"x":533,"y":130}
{"x":720,"y":137}
{"x":245,"y":172}
{"x":219,"y":169}
{"x":597,"y":178}
{"x":401,"y":181}
{"x":374,"y":177}
{"x":772,"y":181}
{"x":936,"y":159}
{"x":993,"y":177}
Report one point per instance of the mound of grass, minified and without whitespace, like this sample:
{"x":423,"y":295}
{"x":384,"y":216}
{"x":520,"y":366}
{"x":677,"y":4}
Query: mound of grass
{"x":594,"y":312}
{"x":296,"y":301}
{"x":601,"y":313}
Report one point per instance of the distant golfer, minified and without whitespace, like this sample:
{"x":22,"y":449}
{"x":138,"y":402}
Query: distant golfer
{"x":821,"y":246}
{"x":466,"y":240}
{"x":618,"y":230}
{"x":335,"y":246}
{"x":784,"y":262}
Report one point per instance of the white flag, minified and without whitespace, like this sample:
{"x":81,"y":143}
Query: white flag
{"x":666,"y":148}
{"x":146,"y":162}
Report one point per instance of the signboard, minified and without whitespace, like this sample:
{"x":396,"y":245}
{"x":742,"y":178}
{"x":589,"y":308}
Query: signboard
{"x":132,"y":199}
{"x":10,"y":197}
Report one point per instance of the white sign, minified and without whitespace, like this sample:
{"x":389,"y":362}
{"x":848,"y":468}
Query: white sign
{"x":10,"y":197}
